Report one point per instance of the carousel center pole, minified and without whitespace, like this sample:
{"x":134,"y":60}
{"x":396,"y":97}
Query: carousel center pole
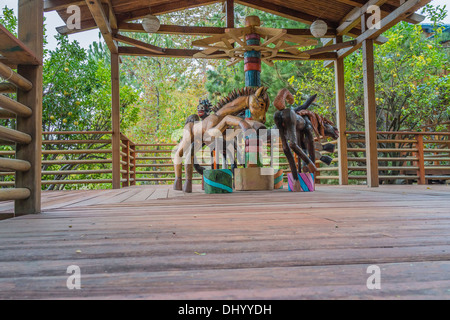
{"x":252,"y":69}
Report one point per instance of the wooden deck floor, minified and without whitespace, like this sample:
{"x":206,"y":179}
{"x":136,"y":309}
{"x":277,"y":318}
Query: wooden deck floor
{"x":155,"y":243}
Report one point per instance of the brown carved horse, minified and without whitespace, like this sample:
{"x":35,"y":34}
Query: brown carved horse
{"x":225,"y":116}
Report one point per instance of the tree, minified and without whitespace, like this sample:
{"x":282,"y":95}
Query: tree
{"x":76,"y":96}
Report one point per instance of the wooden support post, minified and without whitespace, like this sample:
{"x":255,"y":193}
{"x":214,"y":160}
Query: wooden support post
{"x":370,"y":110}
{"x":115,"y":120}
{"x":341,"y":118}
{"x":230,"y":13}
{"x":421,"y":159}
{"x":31,"y":26}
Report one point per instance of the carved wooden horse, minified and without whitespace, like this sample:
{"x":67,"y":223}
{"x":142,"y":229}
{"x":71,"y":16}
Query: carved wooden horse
{"x":225,"y":116}
{"x":295,"y":131}
{"x":300,"y":125}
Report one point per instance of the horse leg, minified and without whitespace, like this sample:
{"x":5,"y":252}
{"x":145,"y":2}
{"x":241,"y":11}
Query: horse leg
{"x":310,"y":167}
{"x":189,"y":167}
{"x":178,"y":156}
{"x":301,"y":144}
{"x":281,"y":122}
{"x":309,"y":140}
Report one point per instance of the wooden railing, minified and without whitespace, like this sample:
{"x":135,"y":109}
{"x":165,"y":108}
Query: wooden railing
{"x":75,"y":158}
{"x":78,"y":158}
{"x":407,"y":156}
{"x":21,"y":67}
{"x":24,"y":111}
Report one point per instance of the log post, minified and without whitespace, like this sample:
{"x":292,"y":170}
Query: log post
{"x":341,"y":117}
{"x":370,"y":109}
{"x":30,"y":32}
{"x":115,"y":120}
{"x":421,"y":159}
{"x":230,"y":13}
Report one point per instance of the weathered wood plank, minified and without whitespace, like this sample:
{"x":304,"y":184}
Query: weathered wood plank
{"x":240,"y":245}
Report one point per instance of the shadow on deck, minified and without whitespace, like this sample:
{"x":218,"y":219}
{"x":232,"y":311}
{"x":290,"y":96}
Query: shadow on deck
{"x":156,"y":243}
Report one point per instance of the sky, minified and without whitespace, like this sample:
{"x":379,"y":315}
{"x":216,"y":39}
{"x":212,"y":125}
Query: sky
{"x":86,"y":38}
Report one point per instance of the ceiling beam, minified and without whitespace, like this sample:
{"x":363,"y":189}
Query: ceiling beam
{"x":352,"y":19}
{"x":406,"y":9}
{"x":189,"y":53}
{"x":331,"y":48}
{"x":112,"y":16}
{"x":168,"y":53}
{"x":52,"y":5}
{"x":282,"y":11}
{"x":163,"y":8}
{"x":173,"y":29}
{"x":138,"y":44}
{"x":100,"y":17}
{"x":386,"y":8}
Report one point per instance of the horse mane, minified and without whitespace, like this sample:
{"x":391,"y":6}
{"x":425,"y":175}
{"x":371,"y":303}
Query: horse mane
{"x":233,"y":95}
{"x":317,"y":121}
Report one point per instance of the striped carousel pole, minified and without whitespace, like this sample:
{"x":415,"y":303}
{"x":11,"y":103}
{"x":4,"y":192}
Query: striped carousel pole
{"x":252,"y":58}
{"x":252,"y":69}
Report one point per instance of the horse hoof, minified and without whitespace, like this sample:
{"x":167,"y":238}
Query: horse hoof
{"x":187,"y":186}
{"x":329,"y":147}
{"x":178,"y":184}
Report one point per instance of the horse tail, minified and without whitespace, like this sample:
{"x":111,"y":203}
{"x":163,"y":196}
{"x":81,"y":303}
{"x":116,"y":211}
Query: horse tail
{"x":306,"y":104}
{"x":283,"y":96}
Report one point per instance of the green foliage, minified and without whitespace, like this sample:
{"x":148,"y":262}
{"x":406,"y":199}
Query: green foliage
{"x":9,"y":20}
{"x":77,"y":91}
{"x":411,"y":89}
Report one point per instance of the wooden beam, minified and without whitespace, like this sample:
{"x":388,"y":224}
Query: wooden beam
{"x":100,"y":17}
{"x":56,"y":5}
{"x":7,"y":88}
{"x":167,"y":7}
{"x":138,"y":44}
{"x":230,"y":13}
{"x":112,"y":16}
{"x":15,"y":107}
{"x":283,"y":11}
{"x":332,"y":47}
{"x":16,"y":79}
{"x":406,"y":9}
{"x":352,"y":19}
{"x":173,"y":29}
{"x":168,"y":53}
{"x":31,"y":24}
{"x":341,"y":118}
{"x":14,"y":51}
{"x":115,"y":120}
{"x":386,"y":8}
{"x":370,"y":111}
{"x":320,"y":56}
{"x":182,"y":30}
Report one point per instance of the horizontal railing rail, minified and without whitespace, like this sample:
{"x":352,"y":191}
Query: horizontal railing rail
{"x":77,"y":158}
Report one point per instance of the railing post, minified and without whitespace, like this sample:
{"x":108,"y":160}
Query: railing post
{"x":133,"y":164}
{"x":125,"y":162}
{"x":421,"y":159}
{"x":115,"y":120}
{"x":341,"y":117}
{"x":30,"y":17}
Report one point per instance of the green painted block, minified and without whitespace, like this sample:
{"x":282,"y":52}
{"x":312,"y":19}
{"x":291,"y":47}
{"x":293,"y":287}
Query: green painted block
{"x":218,"y":181}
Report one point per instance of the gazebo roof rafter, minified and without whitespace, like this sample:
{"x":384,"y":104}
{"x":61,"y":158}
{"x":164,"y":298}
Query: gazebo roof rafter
{"x":341,"y":16}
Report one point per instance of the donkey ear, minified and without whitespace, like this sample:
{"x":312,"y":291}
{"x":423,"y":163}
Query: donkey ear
{"x":259,"y":92}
